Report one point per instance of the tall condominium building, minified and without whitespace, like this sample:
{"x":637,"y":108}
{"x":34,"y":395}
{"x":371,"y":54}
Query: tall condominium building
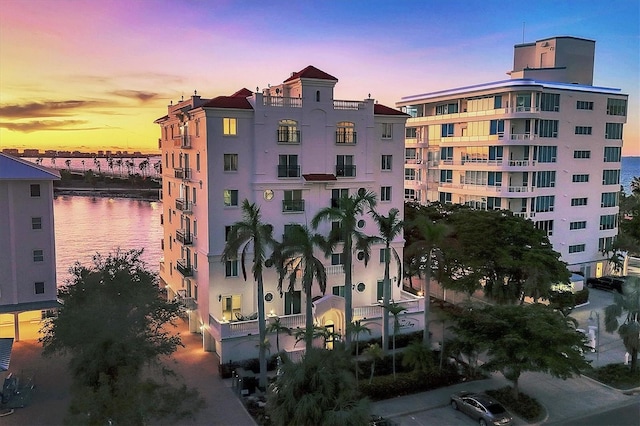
{"x":27,"y":243}
{"x":545,"y":144}
{"x":292,"y":149}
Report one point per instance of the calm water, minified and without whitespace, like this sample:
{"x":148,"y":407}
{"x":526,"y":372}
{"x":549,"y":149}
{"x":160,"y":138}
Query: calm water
{"x":101,"y":164}
{"x":630,"y":168}
{"x":85,"y":226}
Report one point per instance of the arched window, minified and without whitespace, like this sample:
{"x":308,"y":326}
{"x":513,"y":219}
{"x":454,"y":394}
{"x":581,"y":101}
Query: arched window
{"x":288,"y":131}
{"x":317,"y":96}
{"x":345,"y":133}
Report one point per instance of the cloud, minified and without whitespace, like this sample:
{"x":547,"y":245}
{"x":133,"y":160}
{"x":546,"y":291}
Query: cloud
{"x":47,"y":125}
{"x":46,"y":108}
{"x":140,"y":95}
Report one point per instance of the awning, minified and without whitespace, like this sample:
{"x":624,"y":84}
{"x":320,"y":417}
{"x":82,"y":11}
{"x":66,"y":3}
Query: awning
{"x":319,"y":177}
{"x":5,"y":352}
{"x":30,"y":306}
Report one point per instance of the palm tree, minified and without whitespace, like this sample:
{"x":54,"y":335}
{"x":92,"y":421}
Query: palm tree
{"x":276,"y":326}
{"x":119,"y":164}
{"x":635,"y":186}
{"x":144,"y":165}
{"x":67,"y":162}
{"x":626,"y":303}
{"x":157,"y":166}
{"x":356,"y":328}
{"x":295,"y":257}
{"x":346,"y":214}
{"x":110,"y":163}
{"x":419,"y":357}
{"x":390,"y":227}
{"x":431,"y":235}
{"x":251,"y":231}
{"x":395,"y":310}
{"x":373,"y":352}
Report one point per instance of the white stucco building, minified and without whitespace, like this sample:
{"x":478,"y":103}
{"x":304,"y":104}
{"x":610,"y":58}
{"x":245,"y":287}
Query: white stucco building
{"x":27,"y":243}
{"x":292,"y":149}
{"x":545,"y":144}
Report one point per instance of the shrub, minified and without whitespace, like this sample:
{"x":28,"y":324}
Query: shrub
{"x":384,"y":387}
{"x":525,"y":406}
{"x":616,"y":375}
{"x":582,"y":296}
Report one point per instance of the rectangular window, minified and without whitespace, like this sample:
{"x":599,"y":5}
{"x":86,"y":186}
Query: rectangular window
{"x":231,"y":268}
{"x":36,"y":223}
{"x":229,"y":126}
{"x":545,"y":225}
{"x":446,"y":154}
{"x":387,"y":130}
{"x":411,"y":132}
{"x":38,"y":255}
{"x":198,"y":161}
{"x":230,"y":197}
{"x":583,"y":130}
{"x":579,"y":201}
{"x":446,"y":130}
{"x":39,"y":287}
{"x":446,"y":109}
{"x":548,"y":128}
{"x":336,"y":259}
{"x":292,"y":302}
{"x":409,"y":194}
{"x":227,"y":229}
{"x":612,"y":154}
{"x":578,"y":225}
{"x":230,"y":163}
{"x":545,"y":154}
{"x":293,"y":201}
{"x":605,"y":243}
{"x":445,"y":197}
{"x":386,"y":162}
{"x":609,"y":199}
{"x":613,"y":131}
{"x":496,"y":127}
{"x":550,"y":102}
{"x":581,"y":154}
{"x":545,"y":179}
{"x":288,"y":166}
{"x":494,"y":179}
{"x":446,"y":176}
{"x":383,"y":255}
{"x":608,"y":221}
{"x":588,"y":105}
{"x":338,"y":290}
{"x":336,"y":231}
{"x":345,"y":166}
{"x":385,"y":193}
{"x":611,"y":177}
{"x":337,"y":194}
{"x":497,"y":102}
{"x":580,"y":178}
{"x":577,"y":248}
{"x":35,"y":189}
{"x":616,"y":107}
{"x":544,"y":203}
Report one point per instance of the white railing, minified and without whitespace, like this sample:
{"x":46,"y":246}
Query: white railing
{"x":334,"y":269}
{"x":524,"y":109}
{"x":348,"y":105}
{"x":520,"y":189}
{"x":481,"y":161}
{"x":412,"y":161}
{"x":281,"y":101}
{"x":521,"y":163}
{"x":522,"y":136}
{"x":483,"y":113}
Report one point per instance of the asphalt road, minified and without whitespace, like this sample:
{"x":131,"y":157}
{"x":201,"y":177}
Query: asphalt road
{"x":627,"y":415}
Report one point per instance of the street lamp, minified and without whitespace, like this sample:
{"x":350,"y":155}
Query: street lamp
{"x":597,"y":348}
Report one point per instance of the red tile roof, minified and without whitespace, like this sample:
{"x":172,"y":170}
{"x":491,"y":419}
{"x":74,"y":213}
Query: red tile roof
{"x":311,"y":72}
{"x":318,"y":177}
{"x":233,"y":102}
{"x":242,"y":93}
{"x":380,"y":109}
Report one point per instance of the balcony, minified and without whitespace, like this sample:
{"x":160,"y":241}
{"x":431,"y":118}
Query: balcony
{"x":184,"y":268}
{"x":183,"y":206}
{"x":522,"y":136}
{"x":288,"y":136}
{"x":185,"y":238}
{"x":182,"y":141}
{"x":182,"y":173}
{"x":346,"y":170}
{"x":346,"y":138}
{"x":288,"y":171}
{"x":348,"y":105}
{"x":292,"y":206}
{"x":281,"y":101}
{"x":521,"y":163}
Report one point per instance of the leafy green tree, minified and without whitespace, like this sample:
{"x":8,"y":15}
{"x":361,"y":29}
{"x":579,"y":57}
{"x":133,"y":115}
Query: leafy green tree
{"x":356,"y":328}
{"x":373,"y":353}
{"x":390,"y":227}
{"x":419,"y":357}
{"x":626,"y":304}
{"x":346,"y":214}
{"x":430,"y":236}
{"x":296,"y":257}
{"x":520,"y":338}
{"x":277,"y":327}
{"x":252,"y":232}
{"x":110,"y":353}
{"x":395,"y":310}
{"x":319,"y":390}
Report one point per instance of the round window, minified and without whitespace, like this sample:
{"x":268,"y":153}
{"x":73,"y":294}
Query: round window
{"x":361,"y":287}
{"x":360,"y":255}
{"x":361,"y":192}
{"x":268,"y":297}
{"x":361,"y":223}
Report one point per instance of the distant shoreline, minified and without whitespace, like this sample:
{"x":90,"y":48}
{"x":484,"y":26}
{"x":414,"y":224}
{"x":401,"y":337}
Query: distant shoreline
{"x":142,"y":194}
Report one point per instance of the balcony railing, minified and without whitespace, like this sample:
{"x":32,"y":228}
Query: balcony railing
{"x":183,"y":205}
{"x":182,"y":173}
{"x":524,"y":109}
{"x":522,"y":136}
{"x":281,"y":101}
{"x":292,"y":205}
{"x":346,"y":138}
{"x":346,"y":170}
{"x":184,"y":237}
{"x":288,"y":171}
{"x":288,"y":136}
{"x":184,"y":268}
{"x":350,"y":105}
{"x":520,"y":189}
{"x":521,"y":163}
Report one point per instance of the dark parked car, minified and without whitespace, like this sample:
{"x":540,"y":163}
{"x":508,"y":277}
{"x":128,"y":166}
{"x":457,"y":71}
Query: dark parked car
{"x":607,"y":283}
{"x":482,"y":408}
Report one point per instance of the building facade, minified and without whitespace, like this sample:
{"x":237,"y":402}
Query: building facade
{"x":27,"y":243}
{"x":292,"y":149}
{"x":545,"y":145}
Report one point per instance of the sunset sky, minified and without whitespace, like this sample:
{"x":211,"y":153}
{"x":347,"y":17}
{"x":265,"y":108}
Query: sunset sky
{"x":92,"y":75}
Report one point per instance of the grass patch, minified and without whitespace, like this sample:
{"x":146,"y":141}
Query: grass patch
{"x":616,"y":375}
{"x":525,"y":406}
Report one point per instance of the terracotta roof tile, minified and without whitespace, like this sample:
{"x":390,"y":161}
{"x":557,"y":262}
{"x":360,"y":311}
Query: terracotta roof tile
{"x":380,"y":109}
{"x":233,"y":102}
{"x":242,"y":93}
{"x":311,"y":72}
